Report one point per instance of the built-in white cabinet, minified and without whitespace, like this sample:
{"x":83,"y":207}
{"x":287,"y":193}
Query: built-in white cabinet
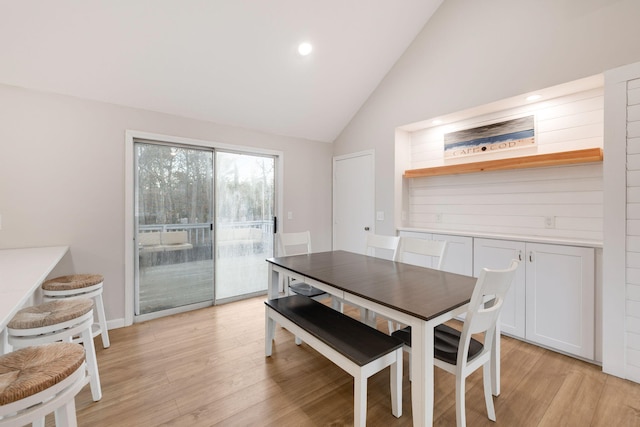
{"x":560,"y":298}
{"x":496,"y":254}
{"x":458,"y":257}
{"x":552,"y":298}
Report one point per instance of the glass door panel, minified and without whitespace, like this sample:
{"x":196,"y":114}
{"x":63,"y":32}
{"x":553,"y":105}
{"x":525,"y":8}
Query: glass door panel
{"x":244,"y":222}
{"x":174,"y":217}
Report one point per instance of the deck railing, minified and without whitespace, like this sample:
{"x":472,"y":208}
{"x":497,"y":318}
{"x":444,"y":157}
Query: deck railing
{"x":200,"y":233}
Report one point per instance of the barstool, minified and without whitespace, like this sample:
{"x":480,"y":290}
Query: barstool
{"x":39,"y":380}
{"x":59,"y":320}
{"x":80,"y":285}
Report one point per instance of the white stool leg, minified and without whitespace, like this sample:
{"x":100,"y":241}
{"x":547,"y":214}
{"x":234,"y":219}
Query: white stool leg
{"x":92,"y":364}
{"x":66,"y":415}
{"x":102,"y":319}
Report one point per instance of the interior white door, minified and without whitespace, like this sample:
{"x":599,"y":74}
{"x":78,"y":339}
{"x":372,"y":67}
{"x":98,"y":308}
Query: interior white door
{"x":353,"y":200}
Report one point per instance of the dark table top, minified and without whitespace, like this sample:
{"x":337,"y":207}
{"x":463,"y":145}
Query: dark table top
{"x":421,"y":292}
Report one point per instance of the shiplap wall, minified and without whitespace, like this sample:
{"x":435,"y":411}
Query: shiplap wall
{"x":633,"y":230}
{"x":521,"y":201}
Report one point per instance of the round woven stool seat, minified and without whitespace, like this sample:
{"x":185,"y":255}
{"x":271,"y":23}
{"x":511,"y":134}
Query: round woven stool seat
{"x":71,"y":282}
{"x":31,"y":370}
{"x":81,"y":286}
{"x":66,"y":320}
{"x":50,"y":313}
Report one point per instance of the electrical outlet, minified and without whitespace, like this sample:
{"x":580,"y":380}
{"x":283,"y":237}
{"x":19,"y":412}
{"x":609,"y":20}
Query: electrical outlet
{"x":289,"y":215}
{"x":438,"y":217}
{"x":550,"y":222}
{"x":380,"y":215}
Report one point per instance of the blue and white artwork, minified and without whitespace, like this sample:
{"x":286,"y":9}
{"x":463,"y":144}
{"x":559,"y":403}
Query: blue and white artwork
{"x":513,"y":133}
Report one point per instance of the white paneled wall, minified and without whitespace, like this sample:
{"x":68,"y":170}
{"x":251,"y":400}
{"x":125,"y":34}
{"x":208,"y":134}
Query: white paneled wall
{"x":557,"y":202}
{"x":633,"y":230}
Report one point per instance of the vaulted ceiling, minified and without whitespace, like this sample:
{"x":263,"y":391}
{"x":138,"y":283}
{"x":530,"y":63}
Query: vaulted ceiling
{"x":233,"y":62}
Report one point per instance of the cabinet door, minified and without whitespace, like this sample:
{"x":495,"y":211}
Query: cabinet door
{"x":560,"y":298}
{"x":459,"y":254}
{"x":497,"y":254}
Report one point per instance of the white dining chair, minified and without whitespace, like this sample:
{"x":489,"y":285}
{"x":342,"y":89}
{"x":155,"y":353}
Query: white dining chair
{"x":428,"y":248}
{"x":378,"y":241}
{"x":460,"y":354}
{"x":374,"y":242}
{"x":297,"y":244}
{"x":435,"y":249}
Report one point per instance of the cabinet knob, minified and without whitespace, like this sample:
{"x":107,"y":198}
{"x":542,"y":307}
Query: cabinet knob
{"x":366,"y":229}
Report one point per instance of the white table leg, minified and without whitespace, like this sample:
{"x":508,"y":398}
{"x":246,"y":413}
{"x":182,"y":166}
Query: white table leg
{"x":423,"y":376}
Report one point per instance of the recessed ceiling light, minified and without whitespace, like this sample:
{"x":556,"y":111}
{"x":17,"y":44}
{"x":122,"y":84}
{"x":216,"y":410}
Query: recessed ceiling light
{"x":533,"y":97}
{"x":305,"y":48}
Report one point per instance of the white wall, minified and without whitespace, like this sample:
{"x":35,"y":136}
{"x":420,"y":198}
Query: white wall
{"x":62,"y":178}
{"x":472,"y":53}
{"x":516,"y":202}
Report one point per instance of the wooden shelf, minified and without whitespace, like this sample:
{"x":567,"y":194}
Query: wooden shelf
{"x":587,"y":155}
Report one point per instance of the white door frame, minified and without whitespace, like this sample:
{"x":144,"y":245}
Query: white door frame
{"x":130,"y":206}
{"x":372,"y":189}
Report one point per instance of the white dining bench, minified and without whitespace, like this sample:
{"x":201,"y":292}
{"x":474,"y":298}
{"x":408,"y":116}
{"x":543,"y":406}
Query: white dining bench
{"x":355,"y":347}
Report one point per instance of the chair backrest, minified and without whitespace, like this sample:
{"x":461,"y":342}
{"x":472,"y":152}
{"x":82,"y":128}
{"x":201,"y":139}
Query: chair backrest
{"x":294,"y":243}
{"x":433,"y":248}
{"x":377,"y":241}
{"x":484,"y":309}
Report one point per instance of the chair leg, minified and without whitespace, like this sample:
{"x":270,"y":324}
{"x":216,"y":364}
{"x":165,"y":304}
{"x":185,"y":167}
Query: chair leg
{"x":359,"y":400}
{"x":461,"y":419}
{"x":488,"y":396}
{"x":392,"y":326}
{"x":66,"y":415}
{"x":102,"y":320}
{"x":92,"y":364}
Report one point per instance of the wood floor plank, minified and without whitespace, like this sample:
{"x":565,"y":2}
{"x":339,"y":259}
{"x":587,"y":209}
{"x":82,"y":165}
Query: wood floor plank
{"x":619,"y":404}
{"x":207,"y":368}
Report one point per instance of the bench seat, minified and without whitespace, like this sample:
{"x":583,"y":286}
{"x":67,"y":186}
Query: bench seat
{"x":355,"y":347}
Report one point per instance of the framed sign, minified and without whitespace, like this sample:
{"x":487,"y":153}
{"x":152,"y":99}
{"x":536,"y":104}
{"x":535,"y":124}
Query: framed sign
{"x":515,"y":133}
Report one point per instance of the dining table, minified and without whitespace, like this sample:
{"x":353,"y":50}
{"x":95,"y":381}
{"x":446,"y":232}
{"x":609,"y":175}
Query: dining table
{"x":416,"y":296}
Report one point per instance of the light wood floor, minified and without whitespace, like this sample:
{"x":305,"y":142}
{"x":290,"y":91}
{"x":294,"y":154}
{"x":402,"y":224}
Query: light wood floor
{"x":208,"y":368}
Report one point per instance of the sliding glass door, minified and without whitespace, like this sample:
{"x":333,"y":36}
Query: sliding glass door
{"x":245,"y":188}
{"x":174,"y":195}
{"x":204,"y":226}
